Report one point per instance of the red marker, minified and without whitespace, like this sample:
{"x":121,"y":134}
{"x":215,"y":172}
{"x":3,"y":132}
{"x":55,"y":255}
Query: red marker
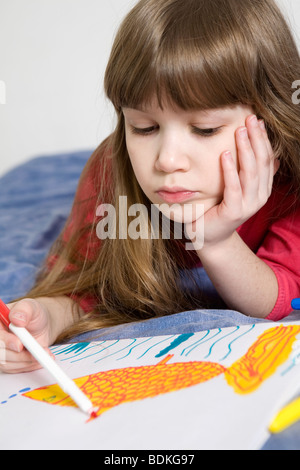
{"x":48,"y":363}
{"x":4,"y":313}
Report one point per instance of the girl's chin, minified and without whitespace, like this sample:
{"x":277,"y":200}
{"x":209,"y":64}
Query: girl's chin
{"x":183,"y":214}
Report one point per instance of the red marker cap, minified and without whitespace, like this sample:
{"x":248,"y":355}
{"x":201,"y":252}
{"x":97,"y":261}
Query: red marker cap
{"x":4,"y":313}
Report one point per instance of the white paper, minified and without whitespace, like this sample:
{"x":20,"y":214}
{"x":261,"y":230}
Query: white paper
{"x":180,"y":414}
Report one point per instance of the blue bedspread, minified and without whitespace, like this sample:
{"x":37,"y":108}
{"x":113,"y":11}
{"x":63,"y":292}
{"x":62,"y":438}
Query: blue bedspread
{"x":35,"y":200}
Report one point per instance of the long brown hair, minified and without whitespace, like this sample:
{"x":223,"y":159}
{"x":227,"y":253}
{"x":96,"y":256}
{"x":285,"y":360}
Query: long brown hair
{"x":196,"y":54}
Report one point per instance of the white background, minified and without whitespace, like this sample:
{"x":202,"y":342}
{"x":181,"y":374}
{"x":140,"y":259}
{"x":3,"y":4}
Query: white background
{"x":53,"y":54}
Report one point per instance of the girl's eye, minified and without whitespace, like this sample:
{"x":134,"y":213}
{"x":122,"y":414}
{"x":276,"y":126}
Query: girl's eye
{"x":196,"y":130}
{"x":206,"y":132}
{"x":144,"y":131}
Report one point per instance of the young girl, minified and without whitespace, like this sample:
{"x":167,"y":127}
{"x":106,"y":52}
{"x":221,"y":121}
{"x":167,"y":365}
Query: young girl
{"x":203,"y":96}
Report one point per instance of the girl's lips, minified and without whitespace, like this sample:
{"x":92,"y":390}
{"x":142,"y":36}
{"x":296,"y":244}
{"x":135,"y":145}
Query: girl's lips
{"x":176,"y":196}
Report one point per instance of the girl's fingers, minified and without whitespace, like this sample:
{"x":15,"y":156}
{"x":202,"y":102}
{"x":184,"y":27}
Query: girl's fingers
{"x":275,"y":164}
{"x":265,"y":163}
{"x":18,"y":358}
{"x":247,"y":164}
{"x":10,"y":341}
{"x":13,"y":362}
{"x":256,"y":164}
{"x":232,"y":186}
{"x":247,"y":189}
{"x":14,"y":358}
{"x":19,"y":367}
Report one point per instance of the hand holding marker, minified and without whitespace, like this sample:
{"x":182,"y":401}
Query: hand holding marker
{"x":67,"y":385}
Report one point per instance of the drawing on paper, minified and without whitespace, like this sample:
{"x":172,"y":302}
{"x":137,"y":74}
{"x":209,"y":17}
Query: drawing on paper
{"x":271,"y":349}
{"x":111,"y":388}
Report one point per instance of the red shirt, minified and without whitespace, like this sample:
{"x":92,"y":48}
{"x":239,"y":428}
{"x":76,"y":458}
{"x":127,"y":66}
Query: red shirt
{"x":273,"y":234}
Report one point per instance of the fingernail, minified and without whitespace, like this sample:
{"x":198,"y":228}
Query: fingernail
{"x":243,"y":132}
{"x":227,"y":154}
{"x":262,"y":125}
{"x":253,"y":119}
{"x":13,"y":347}
{"x":18,"y":316}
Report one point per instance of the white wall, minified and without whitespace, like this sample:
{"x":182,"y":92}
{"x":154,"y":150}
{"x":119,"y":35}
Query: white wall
{"x":53,"y":55}
{"x":291,"y":9}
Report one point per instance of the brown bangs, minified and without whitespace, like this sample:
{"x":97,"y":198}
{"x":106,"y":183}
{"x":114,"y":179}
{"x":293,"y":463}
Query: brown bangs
{"x":190,"y":53}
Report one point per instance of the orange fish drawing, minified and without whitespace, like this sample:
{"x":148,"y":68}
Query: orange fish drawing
{"x":112,"y":388}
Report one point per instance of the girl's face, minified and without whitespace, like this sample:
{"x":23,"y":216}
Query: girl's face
{"x":176,"y":154}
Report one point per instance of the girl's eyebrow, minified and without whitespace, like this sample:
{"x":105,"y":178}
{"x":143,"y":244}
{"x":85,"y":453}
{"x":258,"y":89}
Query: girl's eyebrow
{"x":217,"y":111}
{"x":137,"y":108}
{"x":222,"y":110}
{"x":212,"y":115}
{"x":131,"y":112}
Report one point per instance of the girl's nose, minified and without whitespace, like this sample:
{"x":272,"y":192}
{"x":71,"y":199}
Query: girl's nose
{"x":172,"y":157}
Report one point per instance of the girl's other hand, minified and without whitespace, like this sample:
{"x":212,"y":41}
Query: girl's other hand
{"x":34,"y":316}
{"x":247,"y":185}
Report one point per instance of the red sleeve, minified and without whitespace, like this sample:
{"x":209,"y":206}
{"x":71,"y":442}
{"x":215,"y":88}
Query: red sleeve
{"x":273,"y":234}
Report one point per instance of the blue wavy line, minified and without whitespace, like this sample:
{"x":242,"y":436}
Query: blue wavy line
{"x":156,"y":344}
{"x":230,"y":344}
{"x":202,"y":342}
{"x":76,"y":348}
{"x":179,"y":340}
{"x":97,"y":352}
{"x":221,"y":339}
{"x":82,"y":356}
{"x":294,"y":362}
{"x":196,"y":343}
{"x":129,"y":352}
{"x":116,"y":352}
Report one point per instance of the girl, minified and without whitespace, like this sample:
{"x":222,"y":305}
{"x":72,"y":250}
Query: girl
{"x":203,"y":96}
